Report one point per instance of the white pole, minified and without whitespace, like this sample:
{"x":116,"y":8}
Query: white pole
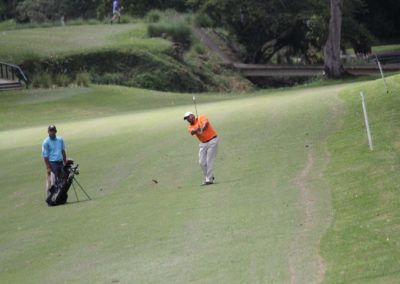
{"x":383,"y":76}
{"x":366,"y":121}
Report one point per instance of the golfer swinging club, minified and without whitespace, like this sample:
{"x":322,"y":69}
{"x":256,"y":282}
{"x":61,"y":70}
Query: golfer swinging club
{"x":53,"y":153}
{"x":204,"y":131}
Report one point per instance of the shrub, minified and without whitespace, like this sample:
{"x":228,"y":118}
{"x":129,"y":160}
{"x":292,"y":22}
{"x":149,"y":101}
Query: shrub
{"x":172,"y":15}
{"x":93,"y":22}
{"x":75,"y":22}
{"x":199,"y":48}
{"x":156,"y":30}
{"x":153,"y":16}
{"x":8,"y":25}
{"x":147,"y":81}
{"x":106,"y":20}
{"x":42,"y":80}
{"x":181,"y":33}
{"x":168,"y":79}
{"x":108,"y":78}
{"x":203,"y":20}
{"x":133,"y":68}
{"x":62,"y":80}
{"x":178,"y":32}
{"x":83,"y":79}
{"x":126,"y":19}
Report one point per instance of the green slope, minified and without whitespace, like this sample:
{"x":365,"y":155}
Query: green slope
{"x":253,"y":226}
{"x":20,"y":45}
{"x":115,"y":54}
{"x":362,"y":246}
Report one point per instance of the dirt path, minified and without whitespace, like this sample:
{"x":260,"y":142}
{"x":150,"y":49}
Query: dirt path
{"x":297,"y":252}
{"x":305,"y":262}
{"x":204,"y":37}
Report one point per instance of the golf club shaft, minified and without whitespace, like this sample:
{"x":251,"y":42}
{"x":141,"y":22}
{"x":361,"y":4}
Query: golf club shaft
{"x":195,"y":105}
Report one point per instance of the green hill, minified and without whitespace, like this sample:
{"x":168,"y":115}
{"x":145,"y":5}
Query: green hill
{"x":19,"y":45}
{"x":116,"y":54}
{"x":362,"y":244}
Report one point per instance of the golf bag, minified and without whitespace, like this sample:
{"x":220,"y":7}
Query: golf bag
{"x":58,"y":193}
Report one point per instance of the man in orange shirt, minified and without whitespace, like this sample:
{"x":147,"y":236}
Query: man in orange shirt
{"x":204,"y":131}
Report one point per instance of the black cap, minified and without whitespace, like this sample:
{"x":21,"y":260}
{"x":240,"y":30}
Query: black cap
{"x":52,"y":128}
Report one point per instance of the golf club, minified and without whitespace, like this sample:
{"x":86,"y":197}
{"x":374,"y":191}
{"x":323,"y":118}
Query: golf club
{"x":195,"y":106}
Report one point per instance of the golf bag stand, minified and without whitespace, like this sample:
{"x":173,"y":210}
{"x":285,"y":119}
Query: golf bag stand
{"x":74,"y":180}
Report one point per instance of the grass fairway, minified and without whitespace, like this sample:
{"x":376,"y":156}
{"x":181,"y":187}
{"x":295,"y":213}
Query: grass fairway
{"x":261,"y":222}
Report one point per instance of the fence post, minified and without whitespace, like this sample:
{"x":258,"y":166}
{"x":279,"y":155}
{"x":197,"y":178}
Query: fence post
{"x":366,"y":121}
{"x":383,"y":76}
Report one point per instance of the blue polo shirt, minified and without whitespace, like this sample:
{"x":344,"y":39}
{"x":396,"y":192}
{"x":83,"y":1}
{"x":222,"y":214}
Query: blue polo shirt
{"x":115,"y":6}
{"x":52,"y":149}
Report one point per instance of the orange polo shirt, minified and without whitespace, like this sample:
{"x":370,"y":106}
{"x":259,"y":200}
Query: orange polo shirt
{"x":208,"y":133}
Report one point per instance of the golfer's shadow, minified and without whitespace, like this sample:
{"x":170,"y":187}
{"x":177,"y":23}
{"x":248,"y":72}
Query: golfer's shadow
{"x":77,"y":201}
{"x":227,"y":181}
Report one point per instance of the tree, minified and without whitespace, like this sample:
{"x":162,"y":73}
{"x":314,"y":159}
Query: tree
{"x":354,"y":31}
{"x":333,"y":64}
{"x":39,"y":10}
{"x":382,"y":19}
{"x":265,"y":28}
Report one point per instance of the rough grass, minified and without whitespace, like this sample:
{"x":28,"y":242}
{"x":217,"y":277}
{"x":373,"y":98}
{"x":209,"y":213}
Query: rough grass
{"x":380,"y":48}
{"x":362,"y":246}
{"x":241,"y":230}
{"x":387,"y":48}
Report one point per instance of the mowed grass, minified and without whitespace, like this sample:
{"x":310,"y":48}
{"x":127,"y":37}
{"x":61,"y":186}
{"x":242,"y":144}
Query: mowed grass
{"x":386,"y":48}
{"x":19,"y":45}
{"x":363,"y":243}
{"x":243,"y":229}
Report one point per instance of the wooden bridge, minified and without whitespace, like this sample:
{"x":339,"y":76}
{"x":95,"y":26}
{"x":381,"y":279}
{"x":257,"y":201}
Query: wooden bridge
{"x":269,"y":70}
{"x":260,"y":70}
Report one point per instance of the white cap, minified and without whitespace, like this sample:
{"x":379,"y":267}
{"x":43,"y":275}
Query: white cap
{"x":188,"y":113}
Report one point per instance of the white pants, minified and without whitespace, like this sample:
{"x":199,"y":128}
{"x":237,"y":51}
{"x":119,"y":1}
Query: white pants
{"x":207,"y":155}
{"x":50,"y":181}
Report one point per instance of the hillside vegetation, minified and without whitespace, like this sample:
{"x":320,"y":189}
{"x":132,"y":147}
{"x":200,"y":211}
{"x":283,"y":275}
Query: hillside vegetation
{"x":115,"y":54}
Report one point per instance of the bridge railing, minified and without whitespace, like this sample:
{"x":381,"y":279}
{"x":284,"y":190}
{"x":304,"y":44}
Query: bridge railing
{"x":13,"y":72}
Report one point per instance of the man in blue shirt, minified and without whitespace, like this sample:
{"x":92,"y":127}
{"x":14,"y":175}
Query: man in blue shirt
{"x":116,"y":12}
{"x":53,"y":153}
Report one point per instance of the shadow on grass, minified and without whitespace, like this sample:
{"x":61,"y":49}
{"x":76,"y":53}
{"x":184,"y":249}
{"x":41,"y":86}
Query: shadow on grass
{"x":77,"y":201}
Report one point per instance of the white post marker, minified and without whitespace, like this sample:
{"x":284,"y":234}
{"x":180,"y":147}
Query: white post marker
{"x":366,"y":121}
{"x":383,"y":76}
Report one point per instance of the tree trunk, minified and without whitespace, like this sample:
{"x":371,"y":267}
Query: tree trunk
{"x":333,"y":64}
